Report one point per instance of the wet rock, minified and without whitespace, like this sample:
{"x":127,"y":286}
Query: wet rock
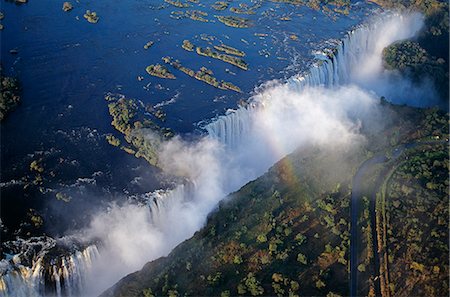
{"x":91,"y":16}
{"x":148,"y":45}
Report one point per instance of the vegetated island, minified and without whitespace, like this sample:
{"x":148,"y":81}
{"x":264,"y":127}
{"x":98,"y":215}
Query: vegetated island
{"x":240,"y":10}
{"x":288,"y":232}
{"x":229,"y":50}
{"x":9,"y":94}
{"x":220,"y":5}
{"x":208,"y":52}
{"x":246,"y":9}
{"x":159,"y":71}
{"x":177,"y":3}
{"x":204,"y":74}
{"x":143,"y":135}
{"x":187,"y":45}
{"x":233,"y":21}
{"x":337,"y":6}
{"x":195,"y":15}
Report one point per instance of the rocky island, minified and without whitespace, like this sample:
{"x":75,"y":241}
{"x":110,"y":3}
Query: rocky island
{"x":177,"y":3}
{"x":208,"y":52}
{"x":187,"y":45}
{"x":229,"y":50}
{"x":204,"y":74}
{"x":67,"y":6}
{"x":233,"y":21}
{"x":141,"y":133}
{"x":220,"y":5}
{"x":148,"y":45}
{"x":91,"y":17}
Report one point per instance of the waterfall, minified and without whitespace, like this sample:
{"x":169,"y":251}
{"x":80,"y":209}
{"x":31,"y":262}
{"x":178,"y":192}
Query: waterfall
{"x":229,"y":128}
{"x":356,"y":55}
{"x":133,"y":233}
{"x":61,"y":276}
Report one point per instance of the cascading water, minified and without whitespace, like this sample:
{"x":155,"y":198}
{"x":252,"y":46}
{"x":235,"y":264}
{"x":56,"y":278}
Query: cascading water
{"x":45,"y":276}
{"x":357,"y":56}
{"x":132,"y":234}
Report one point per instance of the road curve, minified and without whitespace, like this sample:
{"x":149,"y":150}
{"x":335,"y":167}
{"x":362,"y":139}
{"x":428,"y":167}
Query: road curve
{"x":356,"y":198}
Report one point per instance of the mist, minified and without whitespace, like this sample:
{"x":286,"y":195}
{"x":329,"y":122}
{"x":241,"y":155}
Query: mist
{"x":286,"y":119}
{"x":369,"y":72}
{"x":134,"y":234}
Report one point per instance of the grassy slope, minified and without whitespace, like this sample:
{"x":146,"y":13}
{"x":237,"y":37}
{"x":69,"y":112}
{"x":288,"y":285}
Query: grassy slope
{"x":285,"y":233}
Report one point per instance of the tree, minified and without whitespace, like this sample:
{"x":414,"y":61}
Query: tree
{"x":302,"y":258}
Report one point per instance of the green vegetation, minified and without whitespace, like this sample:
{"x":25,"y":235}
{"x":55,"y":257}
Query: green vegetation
{"x":9,"y":95}
{"x":220,"y":5}
{"x":229,"y":50}
{"x":246,"y":9}
{"x":261,"y":240}
{"x":67,"y":6}
{"x":208,"y":52}
{"x":411,"y":59}
{"x":143,"y":135}
{"x":428,"y":131}
{"x":241,"y":11}
{"x":35,"y":218}
{"x":63,"y":197}
{"x":177,"y":3}
{"x":413,"y":223}
{"x":233,"y":21}
{"x":112,"y":140}
{"x":91,"y":17}
{"x":287,"y":233}
{"x":404,"y":54}
{"x":187,"y":45}
{"x":328,"y":7}
{"x":159,"y":71}
{"x":204,"y":74}
{"x":36,"y":165}
{"x":196,"y":15}
{"x":427,"y":56}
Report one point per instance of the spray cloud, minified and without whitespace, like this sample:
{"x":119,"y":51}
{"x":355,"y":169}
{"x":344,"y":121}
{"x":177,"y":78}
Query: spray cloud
{"x":286,"y":119}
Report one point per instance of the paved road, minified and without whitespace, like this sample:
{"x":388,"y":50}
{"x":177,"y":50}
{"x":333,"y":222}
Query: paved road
{"x":356,"y":198}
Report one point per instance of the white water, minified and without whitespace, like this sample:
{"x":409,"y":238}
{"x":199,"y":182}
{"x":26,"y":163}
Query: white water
{"x":357,"y":60}
{"x":67,"y":275}
{"x":240,"y":146}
